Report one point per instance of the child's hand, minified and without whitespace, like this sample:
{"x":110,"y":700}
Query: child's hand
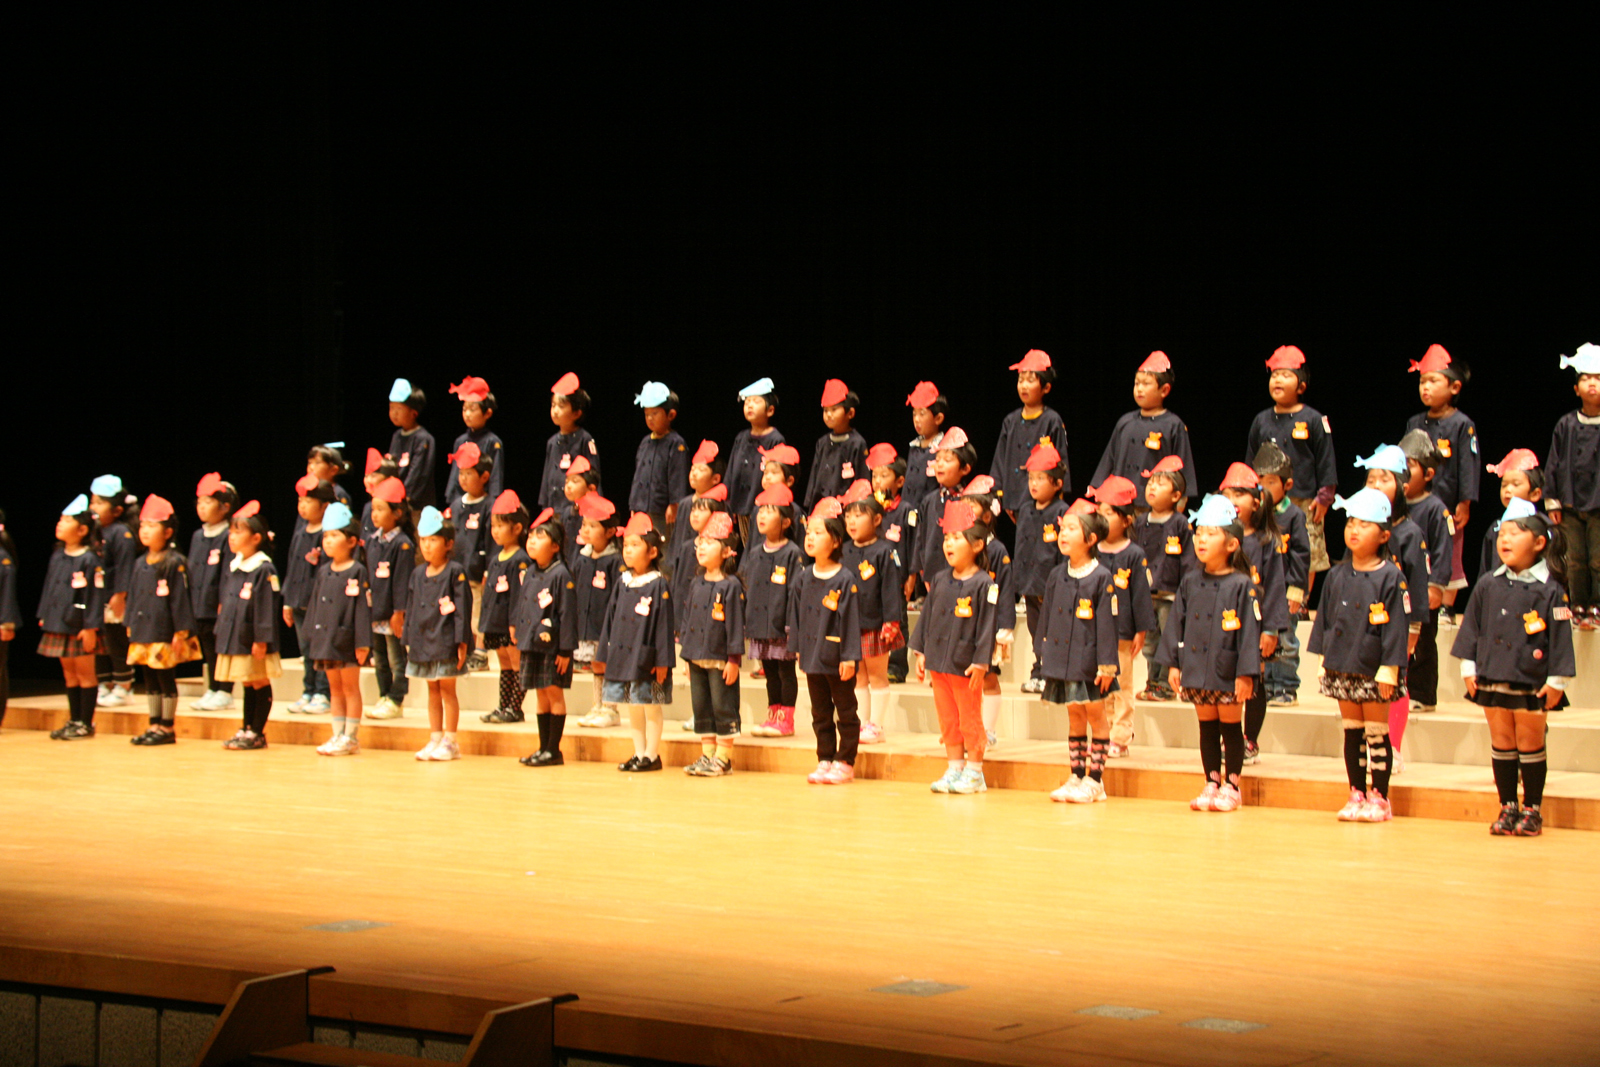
{"x":258,"y":650}
{"x":661,"y":675}
{"x":1104,"y":681}
{"x":8,"y":633}
{"x":397,"y":623}
{"x":1463,"y":513}
{"x":1552,"y":697}
{"x":513,"y":635}
{"x":975,"y":676}
{"x":1174,"y":679}
{"x":672,"y":514}
{"x":361,"y":656}
{"x":288,"y":617}
{"x":911,"y":586}
{"x":1385,"y":691}
{"x":1244,"y":688}
{"x":730,"y":673}
{"x":89,"y":638}
{"x":847,"y":670}
{"x":461,"y":656}
{"x":1411,"y":643}
{"x":1435,"y":598}
{"x":922,"y":672}
{"x":1471,"y":684}
{"x":1269,"y":644}
{"x":1554,"y":516}
{"x":1319,"y":511}
{"x":890,"y":634}
{"x":1138,"y":643}
{"x":596,"y":667}
{"x":562,"y":662}
{"x":1297,"y":607}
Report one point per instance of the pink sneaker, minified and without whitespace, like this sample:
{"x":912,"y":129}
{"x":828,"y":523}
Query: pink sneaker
{"x":770,"y":727}
{"x":871,"y":733}
{"x":1206,"y":799}
{"x":841,"y":774}
{"x":1227,"y":799}
{"x":1351,"y":812}
{"x":784,"y":726}
{"x":1376,"y":809}
{"x":820,"y":775}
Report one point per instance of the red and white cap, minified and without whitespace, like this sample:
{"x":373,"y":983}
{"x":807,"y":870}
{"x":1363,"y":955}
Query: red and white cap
{"x":982,"y":485}
{"x":506,"y":503}
{"x":1435,"y":359}
{"x":1167,"y":465}
{"x":1156,"y":363}
{"x":788,"y":455}
{"x":1081,"y":506}
{"x":307,"y":484}
{"x":833,"y":392}
{"x":923,"y":395}
{"x":1043,"y":458}
{"x":566,"y":385}
{"x":1035,"y":360}
{"x":718,"y":527}
{"x":1518,"y":459}
{"x":247,"y":510}
{"x":390,"y":491}
{"x":1115,"y":490}
{"x":706,"y":453}
{"x":880,"y":455}
{"x":596,"y":507}
{"x":952,"y":439}
{"x":579,"y":465}
{"x":639,"y":524}
{"x":374,"y":460}
{"x":471,"y":389}
{"x":156,"y":509}
{"x":716,"y":492}
{"x":827,"y":508}
{"x":210,"y":485}
{"x":958,"y":515}
{"x":1286,"y":357}
{"x":859,"y":489}
{"x":1240,"y":476}
{"x":778,"y":496}
{"x":543,"y":517}
{"x":466,"y":456}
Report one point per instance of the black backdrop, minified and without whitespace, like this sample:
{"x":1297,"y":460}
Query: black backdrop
{"x":233,"y":229}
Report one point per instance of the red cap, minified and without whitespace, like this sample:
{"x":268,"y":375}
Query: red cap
{"x":785,"y":454}
{"x":718,"y":526}
{"x":1034,"y":360}
{"x":880,"y":455}
{"x":506,"y":503}
{"x":156,"y":509}
{"x":247,"y":510}
{"x":473,"y":389}
{"x":566,"y":385}
{"x":1518,"y":459}
{"x":466,"y":456}
{"x":1240,"y":476}
{"x":958,"y":516}
{"x":374,"y":460}
{"x":306,"y":484}
{"x":978,"y":486}
{"x":953,"y":438}
{"x":1156,"y":363}
{"x":596,"y":507}
{"x":1116,"y":490}
{"x":1081,"y":506}
{"x":543,"y":517}
{"x":579,"y":465}
{"x":716,"y":492}
{"x":833,"y":392}
{"x":638,"y":525}
{"x":390,"y":491}
{"x":780,"y":496}
{"x":923,"y":395}
{"x":827,"y":508}
{"x":1286,"y":357}
{"x":705,"y":453}
{"x":1043,"y":458}
{"x":859,"y":489}
{"x":1435,"y":359}
{"x":210,"y":485}
{"x":1167,"y":465}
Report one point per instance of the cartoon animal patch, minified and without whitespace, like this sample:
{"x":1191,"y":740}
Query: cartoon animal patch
{"x":830,"y":600}
{"x":1085,"y":608}
{"x":1532,"y":623}
{"x":1153,"y":441}
{"x":1300,"y":432}
{"x":964,"y":607}
{"x":1230,"y":619}
{"x":1377,"y":614}
{"x":1174,"y":546}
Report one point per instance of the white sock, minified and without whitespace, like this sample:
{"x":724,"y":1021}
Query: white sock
{"x":878,"y":703}
{"x":956,"y":765}
{"x":991,"y":710}
{"x":975,"y":765}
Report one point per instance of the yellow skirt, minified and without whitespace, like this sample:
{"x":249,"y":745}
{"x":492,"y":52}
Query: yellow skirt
{"x":248,"y":668}
{"x":165,"y":655}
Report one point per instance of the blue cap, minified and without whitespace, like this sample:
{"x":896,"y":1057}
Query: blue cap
{"x":653,"y":395}
{"x":79,"y":505}
{"x":1518,"y":508}
{"x":337,"y":516}
{"x":430,"y":522}
{"x":400,"y":391}
{"x":1215,"y":510}
{"x":106,"y":486}
{"x":1386,"y":458}
{"x":1586,"y":360}
{"x":333,"y":444}
{"x":759,"y":387}
{"x":1369,"y":505}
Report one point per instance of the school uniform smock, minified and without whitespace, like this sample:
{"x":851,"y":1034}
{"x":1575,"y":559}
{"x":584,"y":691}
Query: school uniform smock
{"x":1079,"y":623}
{"x":1361,"y":624}
{"x":824,"y":621}
{"x":660,"y":473}
{"x":1130,"y":584}
{"x":1213,"y":635}
{"x":208,"y":559}
{"x":839,"y":459}
{"x":158,"y":599}
{"x":1038,"y":550}
{"x":1517,"y":629}
{"x":1306,"y":437}
{"x":413,"y":451}
{"x":300,"y":566}
{"x":339,"y":618}
{"x":1138,"y":442}
{"x":546,"y":611}
{"x":710,"y":617}
{"x":929,"y":545}
{"x":251,"y":606}
{"x":956,"y":629}
{"x":1000,"y":572}
{"x":1572,"y":469}
{"x":440,"y":616}
{"x":1438,"y":528}
{"x":473,"y":542}
{"x":571,"y":524}
{"x":684,"y":567}
{"x":391,"y":557}
{"x":1019,"y":434}
{"x":899,"y":528}
{"x":637,"y":635}
{"x":502,"y":585}
{"x":1456,"y":438}
{"x":559,"y":452}
{"x":1168,"y":550}
{"x":1294,"y":548}
{"x":1266,"y":571}
{"x":595,"y":576}
{"x":10,"y":615}
{"x":489,"y":447}
{"x":769,"y":575}
{"x":121,"y":550}
{"x":879,"y":582}
{"x":368,"y":527}
{"x":743,"y":469}
{"x":919,"y":470}
{"x":74,"y":595}
{"x":1405,"y":544}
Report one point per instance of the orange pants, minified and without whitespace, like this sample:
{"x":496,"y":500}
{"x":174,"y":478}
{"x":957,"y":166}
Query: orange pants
{"x":960,"y":708}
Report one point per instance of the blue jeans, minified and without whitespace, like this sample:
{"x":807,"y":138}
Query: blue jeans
{"x":1156,"y":672}
{"x":316,"y":682}
{"x":389,"y":664}
{"x":1283,"y":669}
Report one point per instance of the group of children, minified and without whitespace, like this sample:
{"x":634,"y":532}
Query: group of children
{"x":717,"y":559}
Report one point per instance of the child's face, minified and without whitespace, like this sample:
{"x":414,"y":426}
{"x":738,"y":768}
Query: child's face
{"x":1385,"y":482}
{"x":1416,"y":479}
{"x":948,"y":470}
{"x":310,"y":508}
{"x":1245,"y":503}
{"x":542,"y":547}
{"x":1160,"y":495}
{"x":402,"y":415}
{"x":471,"y":480}
{"x":1364,"y":538}
{"x":473,"y":415}
{"x":324,"y":470}
{"x":757,"y":412}
{"x":1071,"y":539}
{"x":958,"y":551}
{"x":1213,"y":546}
{"x":243,"y":541}
{"x":1029,"y":389}
{"x":886,"y":483}
{"x":369,"y":482}
{"x":1116,"y":525}
{"x":561,"y":412}
{"x":384,"y":516}
{"x":698,"y":517}
{"x":595,"y":534}
{"x":658,"y":420}
{"x":1437,"y":390}
{"x":436,"y":549}
{"x":926,"y":421}
{"x":837,"y":418}
{"x":772,"y":474}
{"x":575,"y":488}
{"x":1518,"y":547}
{"x":1275,"y":486}
{"x":1588,"y":390}
{"x":1516,"y":484}
{"x":771,"y":523}
{"x":1147,"y":394}
{"x":861,"y":524}
{"x":208,"y":509}
{"x":337,"y":545}
{"x":69,"y":530}
{"x":820,"y":544}
{"x":709,"y":553}
{"x":154,"y":535}
{"x":1285,"y":387}
{"x":1041,"y":487}
{"x":702,"y":478}
{"x":506,"y":534}
{"x":637,"y":554}
{"x":105,"y":512}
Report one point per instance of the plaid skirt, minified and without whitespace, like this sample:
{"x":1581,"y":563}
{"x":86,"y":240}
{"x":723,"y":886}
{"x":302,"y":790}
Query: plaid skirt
{"x":539,"y":672}
{"x":433,"y":670}
{"x":777,"y":648}
{"x":1208,"y":697}
{"x":61,"y":646}
{"x":1060,"y":691}
{"x":1492,"y":694}
{"x":165,"y":655}
{"x":247,"y":668}
{"x":494,"y":641}
{"x":873,"y":644}
{"x":1355,"y":688}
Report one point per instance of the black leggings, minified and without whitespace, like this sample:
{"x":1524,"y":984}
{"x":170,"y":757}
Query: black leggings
{"x":163,"y":682}
{"x":830,"y":693}
{"x":783,"y":688}
{"x":111,"y":665}
{"x":206,"y":631}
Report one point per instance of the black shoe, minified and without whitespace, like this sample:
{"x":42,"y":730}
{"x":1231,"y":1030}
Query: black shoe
{"x":1530,"y":823}
{"x":1506,"y":824}
{"x":629,"y":764}
{"x":76,"y":731}
{"x":502,"y":715}
{"x":543,"y":758}
{"x":161,"y":737}
{"x":254,"y":741}
{"x":60,"y":732}
{"x":648,"y":764}
{"x":144,"y":738}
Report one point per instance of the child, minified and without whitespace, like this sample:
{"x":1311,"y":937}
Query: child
{"x":771,"y":567}
{"x":338,"y":626}
{"x":1130,"y":585}
{"x":1424,"y":510}
{"x":326,"y":463}
{"x":1163,"y":532}
{"x":952,"y":463}
{"x":759,"y":400}
{"x":1306,"y":436}
{"x":582,"y":481}
{"x":1280,"y":675}
{"x":411,"y":447}
{"x":929,"y":409}
{"x":470,"y":516}
{"x":705,"y":474}
{"x":780,"y":465}
{"x":979,"y":495}
{"x":1039,"y":547}
{"x":1515,"y":648}
{"x":875,"y":563}
{"x":502,"y":584}
{"x":1574,"y":477}
{"x":1079,"y":648}
{"x":634,"y":651}
{"x":595,"y":575}
{"x":379,"y":469}
{"x":113,"y":508}
{"x":1261,"y":545}
{"x":544,"y":625}
{"x":391,"y":557}
{"x":209,"y":557}
{"x":711,"y":621}
{"x":1032,"y":424}
{"x":10,"y":616}
{"x":698,"y":511}
{"x":247,"y":625}
{"x":954,"y":643}
{"x":1521,"y":478}
{"x":160,"y":619}
{"x":477,"y":408}
{"x":437,"y":631}
{"x":824,"y":630}
{"x":569,"y":404}
{"x":841,"y":453}
{"x":899,"y":526}
{"x":72,"y":611}
{"x":661,"y":466}
{"x":1455,"y":435}
{"x":1145,"y":436}
{"x":1213,"y":641}
{"x":300,"y":574}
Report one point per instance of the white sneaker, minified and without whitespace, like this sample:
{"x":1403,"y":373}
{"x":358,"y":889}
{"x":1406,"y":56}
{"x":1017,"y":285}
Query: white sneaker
{"x":386,"y":708}
{"x":969,"y":781}
{"x":1207,"y":799}
{"x":299,"y":706}
{"x":318,"y":705}
{"x":103,"y":691}
{"x":688,"y":726}
{"x":345,"y":745}
{"x":1090,"y":792}
{"x":426,"y":751}
{"x":204,"y":703}
{"x":445,"y":750}
{"x":221,"y":701}
{"x":943,"y":785}
{"x":116,"y":698}
{"x":327,"y":747}
{"x":605,"y":718}
{"x":1351,"y":812}
{"x":1064,"y":793}
{"x":1227,"y":799}
{"x":820,"y":775}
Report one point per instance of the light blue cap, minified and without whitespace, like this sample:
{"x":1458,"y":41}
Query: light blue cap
{"x":1215,"y":510}
{"x":1518,"y":508}
{"x":653,"y":395}
{"x":336,"y":444}
{"x":759,"y":387}
{"x":1586,"y":360}
{"x":106,"y":486}
{"x":337,"y":517}
{"x":400,"y":391}
{"x":1369,"y":505}
{"x":430,"y":522}
{"x":79,"y":505}
{"x":1386,"y":458}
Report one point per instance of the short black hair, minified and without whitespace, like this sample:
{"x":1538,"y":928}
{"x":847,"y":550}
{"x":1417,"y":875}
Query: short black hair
{"x":417,"y":401}
{"x":1058,"y":473}
{"x":771,"y":399}
{"x":868,"y":503}
{"x":851,"y":401}
{"x":513,"y":518}
{"x":705,"y":503}
{"x":577,"y":400}
{"x":1093,"y":523}
{"x":669,"y":404}
{"x":329,"y":454}
{"x":227,"y":495}
{"x":1046,"y":376}
{"x":553,"y":529}
{"x":1175,"y":479}
{"x":719,"y":466}
{"x":591,"y":476}
{"x":1127,"y":511}
{"x":940,"y":405}
{"x":897,"y":465}
{"x":323,"y":492}
{"x":387,"y":468}
{"x":256,"y":524}
{"x":835,"y":527}
{"x":446,"y":530}
{"x":1162,"y":377}
{"x":790,"y":470}
{"x":966,"y":455}
{"x":485,"y":464}
{"x":488,"y":403}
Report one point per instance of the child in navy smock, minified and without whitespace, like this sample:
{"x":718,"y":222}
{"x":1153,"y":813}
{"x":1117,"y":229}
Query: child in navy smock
{"x":1213,"y":641}
{"x":502,"y":586}
{"x":773,"y":563}
{"x":1573,"y":477}
{"x":1305,"y":435}
{"x":759,"y":403}
{"x":72,"y":611}
{"x":1515,"y":648}
{"x":594,"y":571}
{"x":1130,"y":584}
{"x":115,"y":509}
{"x":472,"y":472}
{"x":380,"y":468}
{"x":634,"y":651}
{"x":705,"y":482}
{"x":1163,"y":533}
{"x":1521,"y":478}
{"x":209,"y":556}
{"x":438,"y":631}
{"x":412,"y":447}
{"x":780,"y":466}
{"x":1280,"y":675}
{"x":544,"y":625}
{"x":1034,"y":423}
{"x":338,"y":626}
{"x":876,"y":565}
{"x":247,"y":624}
{"x":1038,"y":551}
{"x":710,"y":618}
{"x":841,"y":453}
{"x":824,"y":630}
{"x":582,"y":481}
{"x":569,"y":405}
{"x":299,"y":575}
{"x":979,"y":495}
{"x":391,"y":554}
{"x":477,"y":408}
{"x":1264,"y":552}
{"x":1456,"y":437}
{"x":898,"y":526}
{"x":695,"y":513}
{"x":1424,"y":510}
{"x":1150,"y":433}
{"x":929,"y":409}
{"x":160,"y":619}
{"x":661,"y":465}
{"x":952,"y":463}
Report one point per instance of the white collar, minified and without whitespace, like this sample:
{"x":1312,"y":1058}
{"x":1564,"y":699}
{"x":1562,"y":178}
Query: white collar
{"x":1586,"y":420}
{"x":1538,"y":573}
{"x":636,"y":581}
{"x":1087,"y":569}
{"x":248,"y":565}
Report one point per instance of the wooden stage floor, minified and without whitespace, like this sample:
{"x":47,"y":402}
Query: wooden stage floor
{"x":759,"y":902}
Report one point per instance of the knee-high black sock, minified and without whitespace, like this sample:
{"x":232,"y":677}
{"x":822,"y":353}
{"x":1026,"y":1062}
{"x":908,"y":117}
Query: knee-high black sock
{"x":1211,"y":749}
{"x":1504,"y":762}
{"x":87,"y":698}
{"x":1233,"y":749}
{"x":507,"y":680}
{"x":263,"y":702}
{"x":1534,"y":767}
{"x":1355,"y":755}
{"x":1378,"y":760}
{"x":543,"y":719}
{"x":558,"y":726}
{"x":1255,"y":714}
{"x":74,"y":704}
